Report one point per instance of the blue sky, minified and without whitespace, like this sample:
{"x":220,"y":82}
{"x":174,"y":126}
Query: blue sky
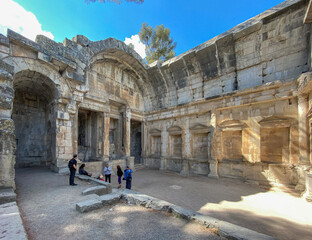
{"x":191,"y":22}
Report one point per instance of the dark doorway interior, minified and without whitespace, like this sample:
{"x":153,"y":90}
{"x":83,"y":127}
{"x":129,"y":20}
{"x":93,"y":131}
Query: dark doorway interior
{"x":136,"y":142}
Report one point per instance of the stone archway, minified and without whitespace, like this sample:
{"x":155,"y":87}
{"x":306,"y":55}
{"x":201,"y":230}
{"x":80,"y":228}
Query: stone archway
{"x":34,"y":118}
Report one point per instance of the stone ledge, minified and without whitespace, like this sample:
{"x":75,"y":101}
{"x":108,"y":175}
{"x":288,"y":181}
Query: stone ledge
{"x":7,"y":195}
{"x":225,"y":229}
{"x":86,"y":178}
{"x":110,"y":199}
{"x":98,"y":190}
{"x":89,"y":205}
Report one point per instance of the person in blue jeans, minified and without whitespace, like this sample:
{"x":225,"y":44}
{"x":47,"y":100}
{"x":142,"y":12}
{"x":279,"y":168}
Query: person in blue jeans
{"x":128,"y":177}
{"x":72,"y":165}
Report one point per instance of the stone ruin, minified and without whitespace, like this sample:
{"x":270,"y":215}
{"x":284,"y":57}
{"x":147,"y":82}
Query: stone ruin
{"x":238,"y":105}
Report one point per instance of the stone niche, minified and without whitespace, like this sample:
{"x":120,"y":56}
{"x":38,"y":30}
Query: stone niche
{"x":136,"y":141}
{"x":231,"y":140}
{"x":200,"y":141}
{"x":175,"y":141}
{"x":155,"y":144}
{"x":90,"y":135}
{"x":115,"y":140}
{"x":275,"y":139}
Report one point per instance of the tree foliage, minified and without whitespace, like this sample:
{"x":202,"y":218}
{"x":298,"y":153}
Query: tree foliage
{"x":115,"y":1}
{"x":159,"y":44}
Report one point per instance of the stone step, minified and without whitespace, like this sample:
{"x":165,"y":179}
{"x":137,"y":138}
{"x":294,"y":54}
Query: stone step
{"x":7,"y":195}
{"x":98,"y":202}
{"x":139,"y":167}
{"x":98,"y":190}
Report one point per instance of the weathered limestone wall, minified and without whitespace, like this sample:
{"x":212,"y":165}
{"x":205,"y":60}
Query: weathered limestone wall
{"x":7,"y":137}
{"x":231,"y":104}
{"x":269,"y":47}
{"x":238,"y":105}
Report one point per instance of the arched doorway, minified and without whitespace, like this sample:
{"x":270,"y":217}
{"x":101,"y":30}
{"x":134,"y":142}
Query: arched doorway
{"x":34,"y":117}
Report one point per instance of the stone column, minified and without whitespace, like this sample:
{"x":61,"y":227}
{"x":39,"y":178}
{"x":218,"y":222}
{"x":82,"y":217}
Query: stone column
{"x":303,"y":131}
{"x":163,"y":148}
{"x":75,"y":132}
{"x":127,"y":124}
{"x":142,"y":142}
{"x":186,"y":150}
{"x":7,"y":127}
{"x":106,"y":136}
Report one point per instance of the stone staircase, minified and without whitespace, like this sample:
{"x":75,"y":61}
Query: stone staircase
{"x":139,"y":166}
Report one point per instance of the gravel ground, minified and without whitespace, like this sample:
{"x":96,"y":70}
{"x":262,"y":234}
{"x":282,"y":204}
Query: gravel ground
{"x":279,"y":213}
{"x":47,"y":204}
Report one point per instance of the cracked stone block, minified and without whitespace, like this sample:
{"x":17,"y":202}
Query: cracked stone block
{"x":182,"y":212}
{"x":159,"y":205}
{"x":99,"y":190}
{"x":138,"y":199}
{"x":110,"y":199}
{"x":89,"y":205}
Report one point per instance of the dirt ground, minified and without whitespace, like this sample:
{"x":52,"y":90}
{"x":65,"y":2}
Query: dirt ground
{"x":47,"y":204}
{"x":280,"y":213}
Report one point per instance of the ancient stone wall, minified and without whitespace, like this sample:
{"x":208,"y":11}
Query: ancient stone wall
{"x":269,"y":47}
{"x":238,"y":105}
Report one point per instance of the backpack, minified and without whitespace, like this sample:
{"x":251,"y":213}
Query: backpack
{"x":70,"y":164}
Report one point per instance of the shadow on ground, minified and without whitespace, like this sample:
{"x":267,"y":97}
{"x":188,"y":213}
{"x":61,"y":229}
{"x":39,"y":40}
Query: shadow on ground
{"x":47,"y":204}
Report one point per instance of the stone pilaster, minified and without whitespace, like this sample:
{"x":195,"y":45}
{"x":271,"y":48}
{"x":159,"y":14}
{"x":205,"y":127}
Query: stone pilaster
{"x":303,"y":130}
{"x":308,"y":187}
{"x":106,"y":137}
{"x":127,"y":124}
{"x":163,"y":150}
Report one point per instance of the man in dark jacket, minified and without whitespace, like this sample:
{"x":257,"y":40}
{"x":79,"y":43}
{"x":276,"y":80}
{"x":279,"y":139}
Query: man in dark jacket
{"x":72,"y":165}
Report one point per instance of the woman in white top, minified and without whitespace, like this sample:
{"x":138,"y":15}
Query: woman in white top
{"x":107,"y":171}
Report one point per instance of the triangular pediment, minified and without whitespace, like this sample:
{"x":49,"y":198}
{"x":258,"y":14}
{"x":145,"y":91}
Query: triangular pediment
{"x":155,"y":131}
{"x":276,"y":121}
{"x":174,"y":129}
{"x":199,"y":126}
{"x":228,"y":123}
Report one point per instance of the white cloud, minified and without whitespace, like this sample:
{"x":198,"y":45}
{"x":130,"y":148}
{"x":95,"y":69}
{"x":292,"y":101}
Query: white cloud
{"x":15,"y":17}
{"x":139,"y":47}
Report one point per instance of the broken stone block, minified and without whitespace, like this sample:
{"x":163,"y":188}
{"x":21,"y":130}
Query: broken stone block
{"x":182,"y":212}
{"x":110,"y":199}
{"x":89,"y":205}
{"x":98,"y":190}
{"x":159,"y":205}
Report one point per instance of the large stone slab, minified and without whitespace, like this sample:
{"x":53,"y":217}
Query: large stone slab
{"x":110,"y":199}
{"x":98,"y":190}
{"x":97,"y":181}
{"x":11,"y":225}
{"x":89,"y":205}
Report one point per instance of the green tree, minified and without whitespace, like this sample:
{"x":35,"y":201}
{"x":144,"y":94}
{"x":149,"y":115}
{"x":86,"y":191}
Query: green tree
{"x":114,"y":1}
{"x":159,"y":44}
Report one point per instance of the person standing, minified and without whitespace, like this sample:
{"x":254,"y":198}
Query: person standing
{"x":72,"y":165}
{"x":128,"y":177}
{"x":107,"y":171}
{"x":119,"y":174}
